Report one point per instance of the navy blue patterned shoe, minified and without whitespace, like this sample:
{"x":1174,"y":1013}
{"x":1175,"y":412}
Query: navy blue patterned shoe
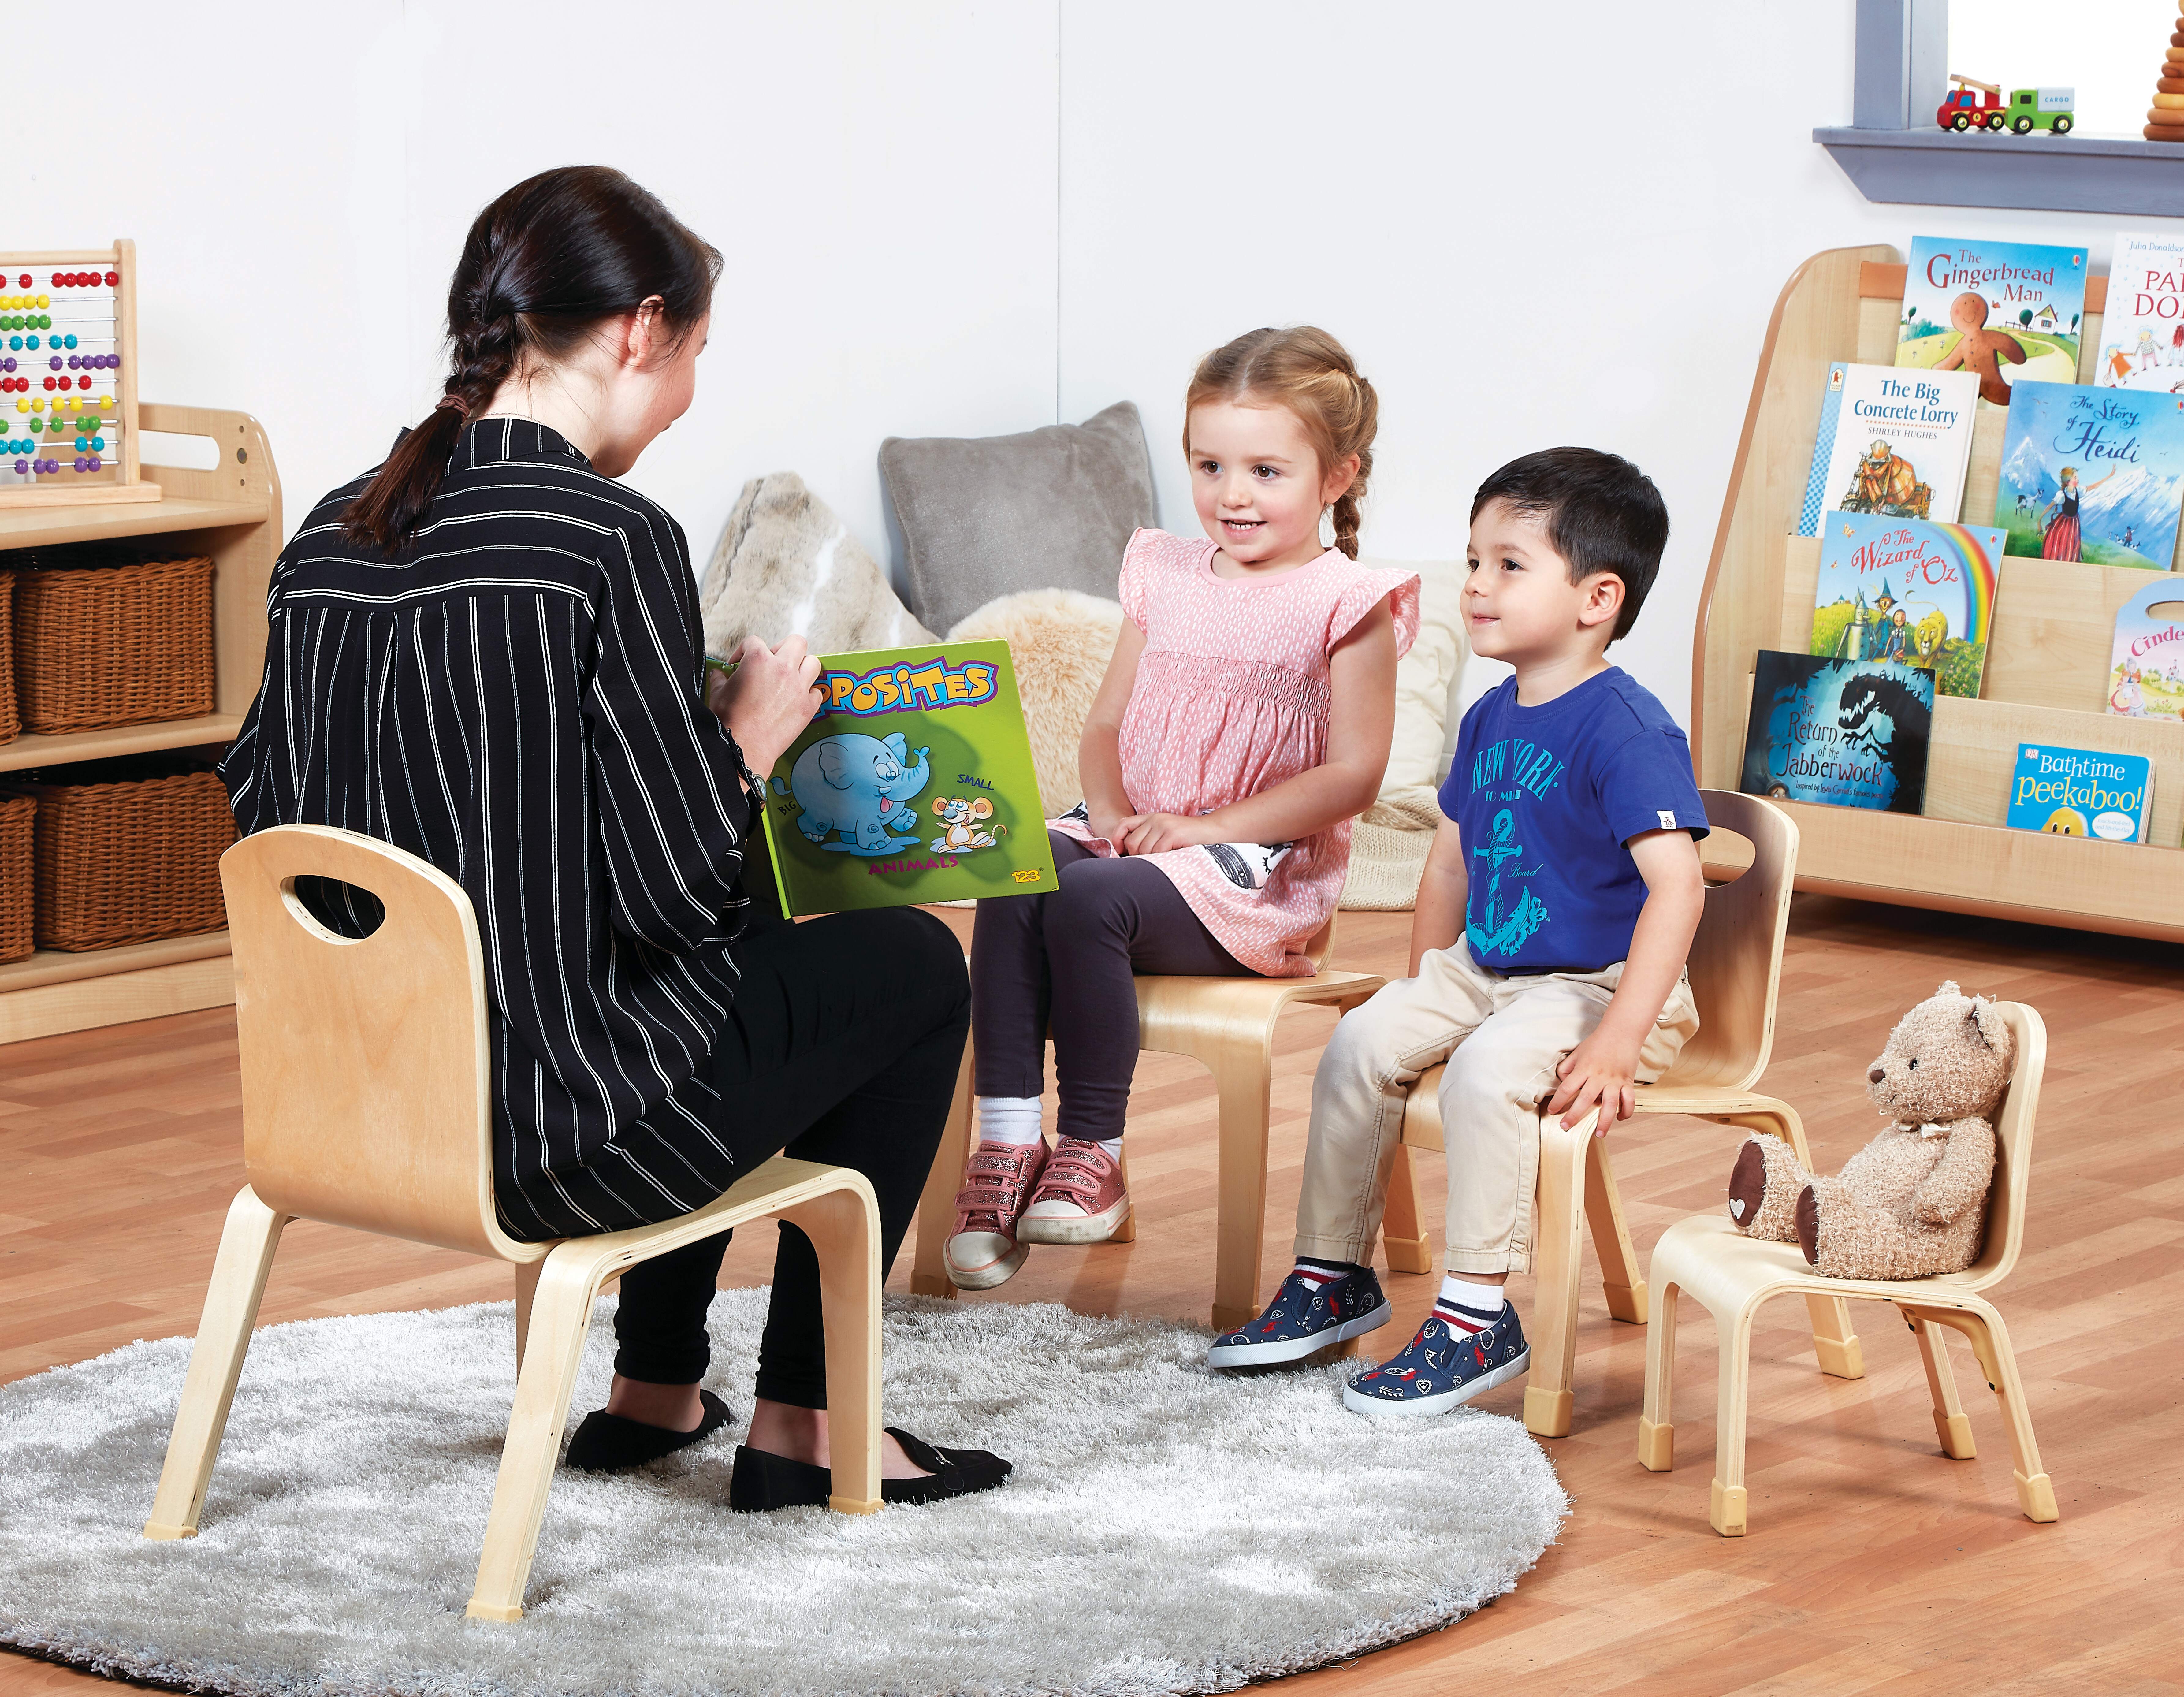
{"x":1315,"y":1307}
{"x":1453,"y":1358}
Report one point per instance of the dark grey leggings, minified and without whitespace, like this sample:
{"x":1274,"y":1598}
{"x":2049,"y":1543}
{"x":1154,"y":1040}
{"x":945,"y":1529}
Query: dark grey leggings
{"x":1065,"y":961}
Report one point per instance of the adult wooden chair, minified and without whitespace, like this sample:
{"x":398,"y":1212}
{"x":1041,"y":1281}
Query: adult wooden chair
{"x":1707,"y":1257}
{"x":366,"y":1073}
{"x":1735,"y":965}
{"x":1227,"y":1026}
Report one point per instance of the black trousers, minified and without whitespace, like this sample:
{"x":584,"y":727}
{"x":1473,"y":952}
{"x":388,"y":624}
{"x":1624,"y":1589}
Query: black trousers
{"x":846,"y":1038}
{"x":1067,"y":958}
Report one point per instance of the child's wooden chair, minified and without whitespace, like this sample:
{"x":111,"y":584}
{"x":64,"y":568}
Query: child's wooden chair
{"x":1732,"y":1275}
{"x":366,"y":1073}
{"x":1735,"y":965}
{"x":1227,"y":1024}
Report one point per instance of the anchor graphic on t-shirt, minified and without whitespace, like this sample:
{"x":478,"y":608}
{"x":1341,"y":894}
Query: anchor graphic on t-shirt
{"x":1503,"y":932}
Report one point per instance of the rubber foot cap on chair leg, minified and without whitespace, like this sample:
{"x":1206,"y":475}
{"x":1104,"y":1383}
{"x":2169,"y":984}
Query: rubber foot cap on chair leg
{"x":1725,"y":1510}
{"x":1955,"y":1432}
{"x":1546,"y":1412}
{"x":153,"y":1529}
{"x":1227,"y":1319}
{"x":1626,"y":1303}
{"x":1840,"y":1358}
{"x":493,"y":1611}
{"x":2035,"y":1496}
{"x":1407,"y":1255}
{"x":1657,"y":1446}
{"x":931,"y":1284}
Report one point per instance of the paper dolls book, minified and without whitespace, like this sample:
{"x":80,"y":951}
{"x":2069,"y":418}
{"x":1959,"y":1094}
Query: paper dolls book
{"x":2142,"y":331}
{"x":1853,"y":733}
{"x":2008,"y":311}
{"x":914,"y":783}
{"x":2091,"y":474}
{"x":1902,"y":590}
{"x":1891,"y":442}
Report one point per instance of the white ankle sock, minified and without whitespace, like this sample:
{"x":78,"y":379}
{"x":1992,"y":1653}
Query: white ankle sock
{"x":1010,"y":1120}
{"x":1113,"y":1145}
{"x":1466,"y":1306}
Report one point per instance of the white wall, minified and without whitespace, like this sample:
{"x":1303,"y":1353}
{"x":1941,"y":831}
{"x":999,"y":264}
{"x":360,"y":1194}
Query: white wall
{"x":1531,"y":224}
{"x":298,"y":181}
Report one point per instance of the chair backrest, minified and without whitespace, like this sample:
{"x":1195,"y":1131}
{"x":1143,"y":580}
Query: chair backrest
{"x":1736,"y":961}
{"x":2013,"y":1150}
{"x":1320,"y":945}
{"x":365,"y":1065}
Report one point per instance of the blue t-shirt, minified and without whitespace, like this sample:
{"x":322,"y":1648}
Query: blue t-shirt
{"x":1546,"y":797}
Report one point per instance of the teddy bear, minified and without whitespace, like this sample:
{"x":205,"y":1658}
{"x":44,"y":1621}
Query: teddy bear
{"x":1913,"y":1202}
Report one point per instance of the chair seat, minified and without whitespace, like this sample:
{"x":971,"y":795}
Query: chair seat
{"x":1708,"y":1258}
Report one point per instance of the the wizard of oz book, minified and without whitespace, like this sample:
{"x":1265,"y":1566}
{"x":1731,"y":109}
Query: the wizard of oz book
{"x":2093,"y":474}
{"x":914,"y":783}
{"x":1851,"y":732}
{"x":2008,"y":312}
{"x":1899,"y":589}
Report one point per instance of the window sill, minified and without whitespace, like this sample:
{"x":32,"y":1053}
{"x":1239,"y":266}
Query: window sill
{"x":2074,"y":173}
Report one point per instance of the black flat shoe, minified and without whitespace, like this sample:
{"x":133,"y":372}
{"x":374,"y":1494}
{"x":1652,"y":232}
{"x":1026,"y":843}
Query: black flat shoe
{"x":613,"y":1443}
{"x":763,"y":1481}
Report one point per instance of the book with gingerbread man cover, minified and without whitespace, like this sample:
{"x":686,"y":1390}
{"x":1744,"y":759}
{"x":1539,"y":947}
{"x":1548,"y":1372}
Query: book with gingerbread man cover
{"x":2008,"y":312}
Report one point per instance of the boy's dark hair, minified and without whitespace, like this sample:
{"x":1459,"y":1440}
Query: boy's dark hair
{"x":1602,"y":514}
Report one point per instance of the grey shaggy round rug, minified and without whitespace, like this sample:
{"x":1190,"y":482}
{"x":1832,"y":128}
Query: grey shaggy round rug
{"x":1165,"y":1530}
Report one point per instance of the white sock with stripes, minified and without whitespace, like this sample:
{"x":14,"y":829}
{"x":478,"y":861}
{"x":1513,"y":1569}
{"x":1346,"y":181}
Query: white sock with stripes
{"x":1467,"y":1307}
{"x":1010,"y":1120}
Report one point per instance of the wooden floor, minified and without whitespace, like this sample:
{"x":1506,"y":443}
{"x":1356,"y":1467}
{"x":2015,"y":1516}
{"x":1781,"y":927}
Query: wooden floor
{"x":1873,"y":1565}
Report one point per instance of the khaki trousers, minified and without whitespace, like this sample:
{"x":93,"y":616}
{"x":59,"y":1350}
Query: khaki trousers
{"x":1501,"y":1038}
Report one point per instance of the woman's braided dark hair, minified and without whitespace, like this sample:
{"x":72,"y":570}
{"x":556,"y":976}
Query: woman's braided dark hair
{"x":542,"y":266}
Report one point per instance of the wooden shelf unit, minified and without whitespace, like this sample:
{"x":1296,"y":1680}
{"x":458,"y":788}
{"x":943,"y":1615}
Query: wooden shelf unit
{"x":2047,"y":667}
{"x":231,"y":513}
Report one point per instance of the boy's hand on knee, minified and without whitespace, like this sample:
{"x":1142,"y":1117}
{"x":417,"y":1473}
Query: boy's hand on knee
{"x":1598,"y":1073}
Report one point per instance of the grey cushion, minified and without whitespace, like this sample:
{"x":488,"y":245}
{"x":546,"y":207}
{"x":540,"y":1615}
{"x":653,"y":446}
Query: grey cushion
{"x":987,"y":516}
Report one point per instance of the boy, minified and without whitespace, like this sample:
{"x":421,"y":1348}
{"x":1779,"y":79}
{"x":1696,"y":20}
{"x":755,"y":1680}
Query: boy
{"x":1546,"y":950}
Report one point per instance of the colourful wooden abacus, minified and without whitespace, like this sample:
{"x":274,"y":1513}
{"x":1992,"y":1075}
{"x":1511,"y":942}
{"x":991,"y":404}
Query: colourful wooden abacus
{"x":68,"y":378}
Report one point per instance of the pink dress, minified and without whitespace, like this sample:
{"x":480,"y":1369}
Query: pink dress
{"x":1231,"y":699}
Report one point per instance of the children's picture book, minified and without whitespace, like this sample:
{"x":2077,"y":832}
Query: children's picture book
{"x":914,"y":783}
{"x":1853,"y":733}
{"x":2146,"y":667}
{"x":2093,"y":474}
{"x":2009,"y":312}
{"x":1891,"y":443}
{"x":1903,"y":589}
{"x":2142,"y":331}
{"x":2081,"y":792}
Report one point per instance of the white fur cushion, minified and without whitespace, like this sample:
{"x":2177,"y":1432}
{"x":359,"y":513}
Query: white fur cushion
{"x":785,"y":564}
{"x":1060,"y":641}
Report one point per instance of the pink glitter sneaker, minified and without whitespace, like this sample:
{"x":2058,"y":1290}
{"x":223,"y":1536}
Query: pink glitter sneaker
{"x":1081,"y":1200}
{"x":983,"y":1251}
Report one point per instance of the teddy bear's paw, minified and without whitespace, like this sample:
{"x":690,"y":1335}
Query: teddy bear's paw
{"x":1809,"y":1224}
{"x":1747,"y":1185}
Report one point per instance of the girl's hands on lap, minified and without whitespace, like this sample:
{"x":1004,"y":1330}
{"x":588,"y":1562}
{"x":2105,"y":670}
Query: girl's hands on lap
{"x":1149,"y":834}
{"x":768,"y":700}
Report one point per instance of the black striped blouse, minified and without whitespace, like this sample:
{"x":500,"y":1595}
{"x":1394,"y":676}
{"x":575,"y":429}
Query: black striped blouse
{"x":522,"y":703}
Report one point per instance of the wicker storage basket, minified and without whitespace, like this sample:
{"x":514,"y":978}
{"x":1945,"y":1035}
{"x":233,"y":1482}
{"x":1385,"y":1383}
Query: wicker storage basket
{"x":102,"y":641}
{"x":15,"y":899}
{"x":127,"y":851}
{"x":11,"y":721}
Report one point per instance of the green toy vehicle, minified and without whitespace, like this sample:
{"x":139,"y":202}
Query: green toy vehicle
{"x":2040,"y":108}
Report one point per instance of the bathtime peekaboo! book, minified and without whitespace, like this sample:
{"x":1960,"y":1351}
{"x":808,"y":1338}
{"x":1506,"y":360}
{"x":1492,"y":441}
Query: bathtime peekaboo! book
{"x":914,"y":783}
{"x":1900,"y":589}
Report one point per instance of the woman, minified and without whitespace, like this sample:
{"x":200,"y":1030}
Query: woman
{"x":488,"y":651}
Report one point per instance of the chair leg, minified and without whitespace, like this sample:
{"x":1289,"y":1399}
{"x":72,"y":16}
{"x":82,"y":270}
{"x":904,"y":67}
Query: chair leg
{"x":844,"y":1229}
{"x":561,"y":1316}
{"x":1951,"y":1424}
{"x":1558,"y":1256}
{"x":1990,"y":1342}
{"x":1726,"y":1499}
{"x":526,"y":1291}
{"x":1126,"y":1233}
{"x":1402,"y":1235}
{"x":247,"y":1243}
{"x":1625,"y":1284}
{"x":1834,"y":1343}
{"x":936,"y":1208}
{"x":1657,"y":1431}
{"x":1243,"y":1082}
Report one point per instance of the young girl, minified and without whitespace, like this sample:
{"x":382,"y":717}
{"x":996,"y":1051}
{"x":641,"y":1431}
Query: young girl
{"x":1243,"y":723}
